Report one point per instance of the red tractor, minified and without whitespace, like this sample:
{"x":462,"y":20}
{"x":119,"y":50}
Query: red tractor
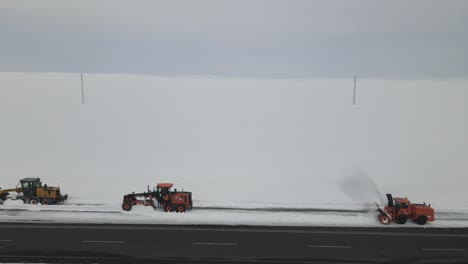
{"x":400,"y":209}
{"x":171,"y":201}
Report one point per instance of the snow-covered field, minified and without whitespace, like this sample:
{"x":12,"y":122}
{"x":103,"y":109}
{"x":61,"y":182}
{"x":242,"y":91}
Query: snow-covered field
{"x":252,"y":144}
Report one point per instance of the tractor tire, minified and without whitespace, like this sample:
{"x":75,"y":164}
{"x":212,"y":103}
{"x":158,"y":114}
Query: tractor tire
{"x":422,"y":220}
{"x":180,"y":209}
{"x":33,"y":201}
{"x":401,"y":219}
{"x":384,"y":219}
{"x":127,"y":206}
{"x":168,"y":208}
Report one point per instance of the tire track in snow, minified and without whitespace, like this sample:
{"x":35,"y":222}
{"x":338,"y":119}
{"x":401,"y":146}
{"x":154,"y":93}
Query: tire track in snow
{"x":451,"y":216}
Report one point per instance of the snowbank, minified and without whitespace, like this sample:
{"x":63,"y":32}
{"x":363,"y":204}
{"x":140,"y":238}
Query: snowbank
{"x":102,"y":212}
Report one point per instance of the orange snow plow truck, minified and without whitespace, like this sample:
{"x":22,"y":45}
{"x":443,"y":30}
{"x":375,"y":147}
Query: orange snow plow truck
{"x":401,"y":209}
{"x":170,"y":201}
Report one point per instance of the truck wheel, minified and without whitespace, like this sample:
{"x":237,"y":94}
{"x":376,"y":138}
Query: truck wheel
{"x":180,"y":209}
{"x":167,"y":208}
{"x":384,"y":219}
{"x":33,"y":201}
{"x":401,"y":219}
{"x":422,"y":220}
{"x":45,"y":202}
{"x":127,"y":206}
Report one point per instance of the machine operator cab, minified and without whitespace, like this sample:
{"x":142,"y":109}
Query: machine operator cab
{"x":402,"y":206}
{"x":401,"y":203}
{"x":398,"y":206}
{"x":164,"y":190}
{"x":30,"y":185}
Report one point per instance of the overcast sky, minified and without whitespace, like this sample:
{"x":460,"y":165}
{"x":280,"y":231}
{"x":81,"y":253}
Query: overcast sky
{"x":402,"y":39}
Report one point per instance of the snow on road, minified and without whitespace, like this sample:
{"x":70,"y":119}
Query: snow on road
{"x":105,"y":212}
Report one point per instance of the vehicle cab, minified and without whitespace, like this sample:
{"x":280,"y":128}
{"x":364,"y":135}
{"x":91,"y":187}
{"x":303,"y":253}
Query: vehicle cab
{"x":402,"y":206}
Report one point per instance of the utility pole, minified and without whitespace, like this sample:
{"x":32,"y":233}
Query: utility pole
{"x":82,"y":91}
{"x":354,"y":91}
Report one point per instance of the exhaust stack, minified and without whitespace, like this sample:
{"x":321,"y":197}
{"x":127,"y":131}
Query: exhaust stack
{"x":390,"y":200}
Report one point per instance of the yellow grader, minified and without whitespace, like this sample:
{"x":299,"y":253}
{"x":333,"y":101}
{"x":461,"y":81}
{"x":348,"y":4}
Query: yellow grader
{"x":32,"y":191}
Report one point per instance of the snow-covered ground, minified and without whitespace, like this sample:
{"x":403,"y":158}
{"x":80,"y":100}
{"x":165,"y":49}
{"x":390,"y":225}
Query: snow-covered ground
{"x":103,"y":212}
{"x":235,"y":143}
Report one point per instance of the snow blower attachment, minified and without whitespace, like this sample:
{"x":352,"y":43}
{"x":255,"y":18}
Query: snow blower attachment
{"x":32,"y":191}
{"x":400,"y":209}
{"x":170,"y":201}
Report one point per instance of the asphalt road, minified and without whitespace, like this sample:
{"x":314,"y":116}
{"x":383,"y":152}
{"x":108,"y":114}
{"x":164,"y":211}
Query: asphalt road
{"x":46,"y":243}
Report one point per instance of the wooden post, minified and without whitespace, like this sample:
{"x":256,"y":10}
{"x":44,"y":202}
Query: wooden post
{"x":82,"y":91}
{"x":354,"y":92}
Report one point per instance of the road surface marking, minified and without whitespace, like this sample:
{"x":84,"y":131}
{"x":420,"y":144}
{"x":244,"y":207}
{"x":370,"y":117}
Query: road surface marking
{"x":215,"y":244}
{"x":6,"y":240}
{"x":327,"y":246}
{"x":111,"y":242}
{"x":192,"y":259}
{"x":227,"y":229}
{"x":444,"y":249}
{"x":246,"y":230}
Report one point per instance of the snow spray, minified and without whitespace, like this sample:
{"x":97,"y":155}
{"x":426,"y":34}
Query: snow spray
{"x":360,"y":187}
